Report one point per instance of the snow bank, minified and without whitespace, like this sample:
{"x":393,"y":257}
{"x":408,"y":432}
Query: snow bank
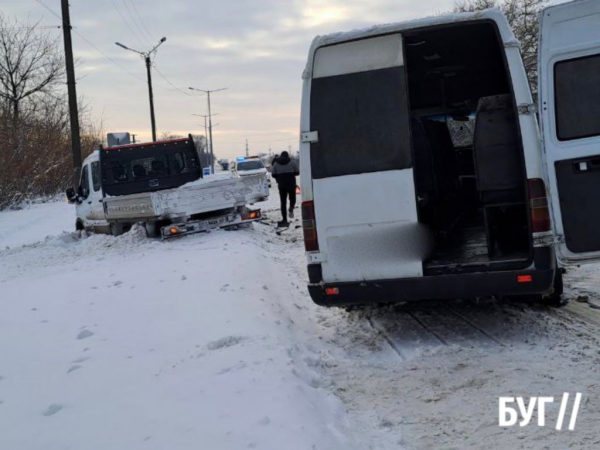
{"x":35,"y":222}
{"x":133,"y":343}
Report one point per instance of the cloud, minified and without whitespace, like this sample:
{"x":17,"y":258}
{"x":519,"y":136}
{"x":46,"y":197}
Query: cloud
{"x":257,"y":48}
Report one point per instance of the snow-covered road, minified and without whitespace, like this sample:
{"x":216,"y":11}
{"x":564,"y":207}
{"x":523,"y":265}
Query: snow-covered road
{"x":211,"y":341}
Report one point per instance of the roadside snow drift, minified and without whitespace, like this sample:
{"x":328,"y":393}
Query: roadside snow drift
{"x":210,"y":341}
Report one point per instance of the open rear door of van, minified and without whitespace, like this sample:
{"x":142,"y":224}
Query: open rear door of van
{"x":569,"y":95}
{"x":361,"y":163}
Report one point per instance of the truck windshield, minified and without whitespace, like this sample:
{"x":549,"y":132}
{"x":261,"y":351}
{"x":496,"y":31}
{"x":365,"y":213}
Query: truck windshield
{"x":251,"y":165}
{"x":148,"y":169}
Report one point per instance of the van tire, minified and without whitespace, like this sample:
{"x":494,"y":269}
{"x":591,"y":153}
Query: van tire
{"x":556,"y":299}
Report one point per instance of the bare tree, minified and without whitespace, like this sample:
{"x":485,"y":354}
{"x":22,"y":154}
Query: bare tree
{"x":523,"y":17}
{"x":30,"y":63}
{"x":474,"y":5}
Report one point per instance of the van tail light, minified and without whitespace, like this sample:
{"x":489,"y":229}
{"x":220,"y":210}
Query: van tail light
{"x":538,"y":204}
{"x":309,"y":226}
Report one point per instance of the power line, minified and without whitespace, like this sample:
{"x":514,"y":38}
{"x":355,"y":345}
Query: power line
{"x":107,"y":57}
{"x":168,"y":81}
{"x":48,"y":8}
{"x":90,"y":43}
{"x":141,"y":20}
{"x":135,"y":22}
{"x":37,"y":27}
{"x":127,"y":23}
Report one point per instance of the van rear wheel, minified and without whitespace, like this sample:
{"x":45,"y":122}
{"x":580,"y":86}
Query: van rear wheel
{"x":556,"y":299}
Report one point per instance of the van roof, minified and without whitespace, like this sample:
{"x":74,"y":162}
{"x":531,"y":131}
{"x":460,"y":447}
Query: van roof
{"x":377,"y":30}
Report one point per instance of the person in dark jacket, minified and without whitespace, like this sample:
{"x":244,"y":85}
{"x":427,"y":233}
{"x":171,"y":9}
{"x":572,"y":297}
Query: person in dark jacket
{"x":285,"y":171}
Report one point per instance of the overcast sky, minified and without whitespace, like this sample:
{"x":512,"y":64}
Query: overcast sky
{"x":256,"y":48}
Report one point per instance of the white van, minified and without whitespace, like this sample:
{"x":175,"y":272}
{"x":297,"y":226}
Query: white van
{"x":424,"y":173}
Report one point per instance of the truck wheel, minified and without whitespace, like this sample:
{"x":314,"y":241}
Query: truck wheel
{"x":116,"y":229}
{"x":152,"y":230}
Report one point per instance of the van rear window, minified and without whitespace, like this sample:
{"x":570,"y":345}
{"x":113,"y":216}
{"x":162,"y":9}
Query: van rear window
{"x":577,"y":98}
{"x":362,"y":121}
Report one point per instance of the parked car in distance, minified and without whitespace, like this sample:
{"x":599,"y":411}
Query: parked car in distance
{"x":250,"y":165}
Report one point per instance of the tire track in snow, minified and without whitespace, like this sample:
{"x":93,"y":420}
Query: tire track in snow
{"x":477,"y":327}
{"x":387,"y":338}
{"x":450,"y":328}
{"x":426,"y":328}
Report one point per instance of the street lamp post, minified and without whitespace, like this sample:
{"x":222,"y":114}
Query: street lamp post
{"x":206,"y":129}
{"x":146,"y":57}
{"x":212,"y":154}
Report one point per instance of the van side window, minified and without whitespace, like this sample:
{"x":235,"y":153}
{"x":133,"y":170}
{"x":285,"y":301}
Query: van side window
{"x":363,"y":123}
{"x":84,"y":184}
{"x":96,"y":175}
{"x":577,"y":97}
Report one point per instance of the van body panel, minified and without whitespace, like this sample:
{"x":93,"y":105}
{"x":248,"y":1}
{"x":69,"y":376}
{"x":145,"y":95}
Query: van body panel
{"x":359,"y":247}
{"x":360,"y":167}
{"x":530,"y":132}
{"x":442,"y":287}
{"x":569,"y":84}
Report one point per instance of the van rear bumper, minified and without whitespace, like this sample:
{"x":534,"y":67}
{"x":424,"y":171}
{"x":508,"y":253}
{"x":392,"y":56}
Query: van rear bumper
{"x":469,"y":285}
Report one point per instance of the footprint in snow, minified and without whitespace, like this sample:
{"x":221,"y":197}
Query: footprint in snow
{"x":234,"y":368}
{"x":264,"y":421}
{"x":183,"y":278}
{"x":80,"y":360}
{"x":224,"y":288}
{"x":225,"y":342}
{"x":84,"y":334}
{"x":52,"y":409}
{"x":74,"y":368}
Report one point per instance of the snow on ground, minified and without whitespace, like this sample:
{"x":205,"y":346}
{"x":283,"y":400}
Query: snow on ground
{"x":210,"y":341}
{"x":35,"y":222}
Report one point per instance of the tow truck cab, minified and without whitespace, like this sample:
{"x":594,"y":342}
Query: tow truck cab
{"x":424,"y":172}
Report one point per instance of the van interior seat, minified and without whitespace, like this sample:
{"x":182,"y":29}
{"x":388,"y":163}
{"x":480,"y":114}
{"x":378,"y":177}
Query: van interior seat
{"x":497,"y":152}
{"x":436,"y":173}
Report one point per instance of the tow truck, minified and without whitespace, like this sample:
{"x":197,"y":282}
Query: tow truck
{"x":161,"y":185}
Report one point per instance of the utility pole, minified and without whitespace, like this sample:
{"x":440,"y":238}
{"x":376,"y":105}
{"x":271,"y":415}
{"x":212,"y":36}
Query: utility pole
{"x":152,"y":118}
{"x":133,"y":135}
{"x":72,"y":91}
{"x":206,"y":130}
{"x":247,"y":150}
{"x":148,"y":61}
{"x":210,"y":126}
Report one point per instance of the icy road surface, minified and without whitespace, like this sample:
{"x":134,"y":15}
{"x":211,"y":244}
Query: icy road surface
{"x":211,"y":342}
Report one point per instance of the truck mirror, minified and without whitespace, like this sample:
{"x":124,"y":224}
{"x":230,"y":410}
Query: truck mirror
{"x":71,"y":196}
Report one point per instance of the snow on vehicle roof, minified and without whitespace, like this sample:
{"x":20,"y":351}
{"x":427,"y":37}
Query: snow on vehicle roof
{"x":377,"y":30}
{"x":146,"y":144}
